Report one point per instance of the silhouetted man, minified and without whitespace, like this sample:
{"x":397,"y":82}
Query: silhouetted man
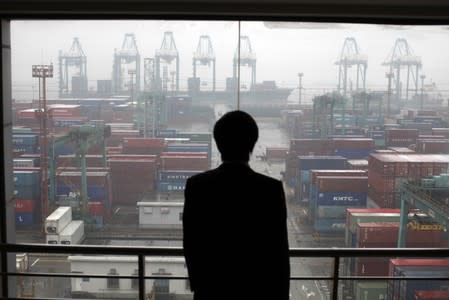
{"x":235,"y":231}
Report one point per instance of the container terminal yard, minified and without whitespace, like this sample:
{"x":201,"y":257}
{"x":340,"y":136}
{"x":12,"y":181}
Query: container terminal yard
{"x":361,"y":169}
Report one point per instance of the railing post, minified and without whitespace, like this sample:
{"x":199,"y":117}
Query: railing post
{"x":141,"y":267}
{"x":336,"y":277}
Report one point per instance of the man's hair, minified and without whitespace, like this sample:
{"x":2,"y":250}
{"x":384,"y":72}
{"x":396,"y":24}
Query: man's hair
{"x":236,"y":133}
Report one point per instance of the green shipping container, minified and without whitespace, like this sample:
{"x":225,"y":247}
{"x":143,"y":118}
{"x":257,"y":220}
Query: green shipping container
{"x":371,"y":290}
{"x":331,"y":211}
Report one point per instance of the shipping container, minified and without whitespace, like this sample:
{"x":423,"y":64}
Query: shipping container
{"x":342,"y":184}
{"x":171,"y":186}
{"x":357,"y":199}
{"x":58,"y":219}
{"x":276,"y":153}
{"x":431,"y":295}
{"x":329,"y":225}
{"x":400,"y":137}
{"x":175,"y":175}
{"x":25,"y":219}
{"x":72,"y":234}
{"x":371,"y":290}
{"x":26,"y":178}
{"x":25,"y":205}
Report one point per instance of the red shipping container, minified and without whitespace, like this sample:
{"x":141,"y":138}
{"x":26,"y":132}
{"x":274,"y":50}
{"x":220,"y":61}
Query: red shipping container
{"x":133,"y":157}
{"x":63,"y":110}
{"x":97,"y":178}
{"x":355,"y":173}
{"x":416,"y":262}
{"x":342,"y":184}
{"x":368,"y":266}
{"x":194,"y":163}
{"x":431,"y":137}
{"x":276,"y":153}
{"x":431,"y":295}
{"x":400,"y":137}
{"x":350,"y":211}
{"x":24,"y":205}
{"x":184,"y":154}
{"x":353,"y":143}
{"x":441,"y":131}
{"x":143,"y":142}
{"x":96,"y":208}
{"x":385,"y":234}
{"x":382,"y":184}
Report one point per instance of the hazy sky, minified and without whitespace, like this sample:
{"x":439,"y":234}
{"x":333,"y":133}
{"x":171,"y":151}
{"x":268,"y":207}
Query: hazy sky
{"x":281,"y":51}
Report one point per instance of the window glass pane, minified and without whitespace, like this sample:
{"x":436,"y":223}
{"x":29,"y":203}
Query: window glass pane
{"x":350,"y":116}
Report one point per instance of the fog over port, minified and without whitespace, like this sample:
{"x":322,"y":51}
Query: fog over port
{"x":282,"y":50}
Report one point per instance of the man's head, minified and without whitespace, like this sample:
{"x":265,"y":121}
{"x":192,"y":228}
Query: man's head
{"x":236,"y":133}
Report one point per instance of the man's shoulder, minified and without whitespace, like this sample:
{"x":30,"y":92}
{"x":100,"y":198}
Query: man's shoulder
{"x":266,"y":179}
{"x":202,"y":176}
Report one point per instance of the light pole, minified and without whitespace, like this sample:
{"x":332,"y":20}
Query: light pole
{"x":42,"y":72}
{"x":389,"y":76}
{"x":422,"y":91}
{"x":300,"y":75}
{"x":132,"y":73}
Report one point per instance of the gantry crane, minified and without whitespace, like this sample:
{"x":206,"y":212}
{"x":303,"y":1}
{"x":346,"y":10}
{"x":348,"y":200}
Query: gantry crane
{"x":350,"y":55}
{"x":244,"y":56}
{"x":73,"y":71}
{"x":164,"y":58}
{"x":126,"y":65}
{"x":323,"y":113}
{"x":82,"y":137}
{"x":364,"y":101}
{"x":402,"y":56}
{"x":204,"y":56}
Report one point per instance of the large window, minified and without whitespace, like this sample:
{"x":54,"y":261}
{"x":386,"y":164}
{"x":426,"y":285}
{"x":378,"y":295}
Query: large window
{"x":351,"y":116}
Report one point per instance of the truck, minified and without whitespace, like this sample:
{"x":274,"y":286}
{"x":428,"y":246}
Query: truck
{"x":73,"y":233}
{"x":58,"y":220}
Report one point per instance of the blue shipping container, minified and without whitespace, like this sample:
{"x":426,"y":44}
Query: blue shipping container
{"x":342,"y":198}
{"x":27,"y":192}
{"x":330,"y":225}
{"x":177,"y":176}
{"x":25,"y":219}
{"x":353,"y":154}
{"x":171,"y":186}
{"x":94,"y":192}
{"x":26,"y":178}
{"x":25,"y":139}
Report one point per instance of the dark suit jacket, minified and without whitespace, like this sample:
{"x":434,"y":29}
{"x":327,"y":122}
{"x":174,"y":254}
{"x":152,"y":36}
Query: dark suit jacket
{"x":235,"y":235}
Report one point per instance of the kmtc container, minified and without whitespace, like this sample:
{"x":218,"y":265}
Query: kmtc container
{"x":58,"y":220}
{"x":306,"y":163}
{"x":72,"y":234}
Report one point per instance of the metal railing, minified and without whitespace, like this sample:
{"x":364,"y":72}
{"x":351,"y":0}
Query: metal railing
{"x":141,"y":252}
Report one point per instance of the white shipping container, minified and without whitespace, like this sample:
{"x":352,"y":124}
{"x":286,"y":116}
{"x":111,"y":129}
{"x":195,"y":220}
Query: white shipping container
{"x":58,"y":220}
{"x":52,"y":239}
{"x":73,"y":233}
{"x":23,"y":163}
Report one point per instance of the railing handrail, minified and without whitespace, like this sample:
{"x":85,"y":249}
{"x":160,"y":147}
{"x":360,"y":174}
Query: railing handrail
{"x":141,"y":252}
{"x":178,"y":251}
